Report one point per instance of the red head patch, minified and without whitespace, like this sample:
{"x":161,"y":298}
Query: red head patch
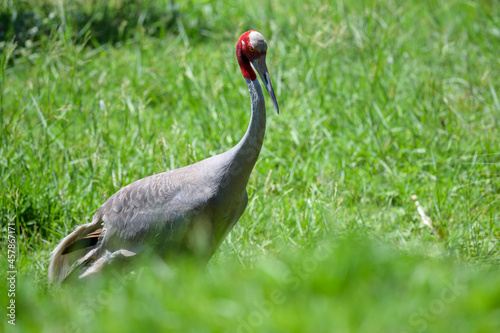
{"x":246,"y":52}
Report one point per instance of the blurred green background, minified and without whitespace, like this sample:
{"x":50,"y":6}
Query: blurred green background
{"x":379,"y":100}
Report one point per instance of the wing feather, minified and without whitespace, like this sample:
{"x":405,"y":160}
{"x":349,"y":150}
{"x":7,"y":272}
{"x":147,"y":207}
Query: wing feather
{"x":155,"y":207}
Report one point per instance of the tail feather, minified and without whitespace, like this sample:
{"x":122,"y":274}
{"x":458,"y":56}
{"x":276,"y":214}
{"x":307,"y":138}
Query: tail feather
{"x":63,"y":257}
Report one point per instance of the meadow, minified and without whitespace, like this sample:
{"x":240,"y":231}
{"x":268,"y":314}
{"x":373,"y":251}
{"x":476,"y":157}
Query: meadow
{"x":380,"y":101}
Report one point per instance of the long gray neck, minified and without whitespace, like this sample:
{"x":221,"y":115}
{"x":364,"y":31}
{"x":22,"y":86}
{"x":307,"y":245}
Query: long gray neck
{"x":245,"y":153}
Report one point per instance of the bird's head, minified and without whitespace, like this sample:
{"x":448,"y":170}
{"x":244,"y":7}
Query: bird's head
{"x":251,"y":49}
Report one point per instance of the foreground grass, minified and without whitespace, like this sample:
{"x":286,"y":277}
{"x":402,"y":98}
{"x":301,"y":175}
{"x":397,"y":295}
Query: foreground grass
{"x":341,"y":286}
{"x":379,"y":101}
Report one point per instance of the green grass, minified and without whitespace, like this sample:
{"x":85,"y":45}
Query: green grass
{"x":379,"y":101}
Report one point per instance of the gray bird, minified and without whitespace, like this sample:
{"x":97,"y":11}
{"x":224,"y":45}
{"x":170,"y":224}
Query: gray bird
{"x":188,"y":210}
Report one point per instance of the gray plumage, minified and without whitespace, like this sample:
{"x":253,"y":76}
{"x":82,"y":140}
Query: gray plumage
{"x":190,"y":209}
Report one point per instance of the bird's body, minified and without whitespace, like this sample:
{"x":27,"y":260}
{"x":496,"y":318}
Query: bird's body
{"x":190,"y":209}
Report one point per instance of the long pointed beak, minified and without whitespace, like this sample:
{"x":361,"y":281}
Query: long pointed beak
{"x":260,"y":66}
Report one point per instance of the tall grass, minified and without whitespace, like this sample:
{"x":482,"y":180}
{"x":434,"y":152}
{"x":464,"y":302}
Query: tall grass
{"x":380,"y":101}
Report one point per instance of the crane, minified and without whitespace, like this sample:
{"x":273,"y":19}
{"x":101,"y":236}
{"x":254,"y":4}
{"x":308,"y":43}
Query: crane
{"x":188,"y":210}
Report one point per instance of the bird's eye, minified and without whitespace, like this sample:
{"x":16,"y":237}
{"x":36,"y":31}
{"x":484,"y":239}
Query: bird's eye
{"x":251,"y":49}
